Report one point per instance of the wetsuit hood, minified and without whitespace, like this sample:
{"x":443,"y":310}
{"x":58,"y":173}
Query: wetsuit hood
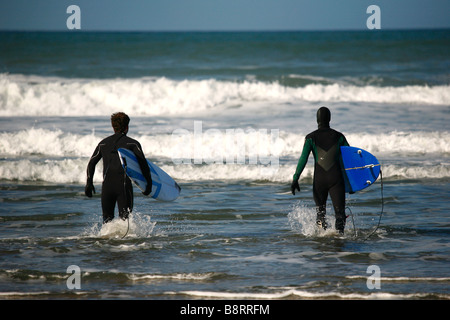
{"x":323,"y":117}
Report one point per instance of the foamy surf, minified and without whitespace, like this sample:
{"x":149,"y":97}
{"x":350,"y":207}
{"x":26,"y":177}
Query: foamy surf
{"x":176,"y":277}
{"x":52,"y":143}
{"x":117,"y":228}
{"x":74,"y":171}
{"x":305,"y":294}
{"x":25,"y":95}
{"x":406,"y":279}
{"x":138,"y":225}
{"x":302,"y":220}
{"x":62,"y":157}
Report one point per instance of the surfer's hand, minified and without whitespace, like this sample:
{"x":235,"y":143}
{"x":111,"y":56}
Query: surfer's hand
{"x":89,"y":189}
{"x":148,"y":190}
{"x":294,"y":186}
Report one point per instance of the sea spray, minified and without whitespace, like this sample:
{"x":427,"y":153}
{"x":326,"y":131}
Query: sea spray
{"x":138,"y":225}
{"x":302,"y":219}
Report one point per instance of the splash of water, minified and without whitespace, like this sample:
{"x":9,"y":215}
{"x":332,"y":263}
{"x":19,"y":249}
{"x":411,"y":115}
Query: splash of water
{"x":302,"y":220}
{"x":137,"y":226}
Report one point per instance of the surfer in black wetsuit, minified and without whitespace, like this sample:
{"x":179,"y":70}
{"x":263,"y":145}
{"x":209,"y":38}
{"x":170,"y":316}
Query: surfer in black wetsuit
{"x":116,"y":185}
{"x":325,"y":144}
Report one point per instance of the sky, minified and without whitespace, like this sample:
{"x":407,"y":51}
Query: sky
{"x":222,"y":15}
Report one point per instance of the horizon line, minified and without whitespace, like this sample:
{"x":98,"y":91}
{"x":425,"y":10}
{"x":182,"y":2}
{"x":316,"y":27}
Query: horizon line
{"x":225,"y":30}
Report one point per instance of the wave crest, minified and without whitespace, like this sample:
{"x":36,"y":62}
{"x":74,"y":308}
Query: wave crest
{"x":39,"y":96}
{"x":55,"y":156}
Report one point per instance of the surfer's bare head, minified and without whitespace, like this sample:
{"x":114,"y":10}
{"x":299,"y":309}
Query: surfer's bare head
{"x":323,"y":117}
{"x":119,"y":122}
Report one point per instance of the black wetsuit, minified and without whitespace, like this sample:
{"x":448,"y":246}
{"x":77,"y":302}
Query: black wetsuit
{"x":116,"y":185}
{"x":328,"y":179}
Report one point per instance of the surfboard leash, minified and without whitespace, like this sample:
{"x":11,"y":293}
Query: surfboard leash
{"x":353,"y":221}
{"x":128,"y":227}
{"x":381,"y":213}
{"x":382,"y":207}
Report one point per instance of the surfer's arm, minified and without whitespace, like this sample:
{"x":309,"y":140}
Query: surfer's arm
{"x":89,"y":189}
{"x":96,"y":156}
{"x":307,"y":147}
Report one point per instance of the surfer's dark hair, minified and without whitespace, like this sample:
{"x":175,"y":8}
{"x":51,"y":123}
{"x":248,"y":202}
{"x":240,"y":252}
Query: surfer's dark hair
{"x":119,"y":122}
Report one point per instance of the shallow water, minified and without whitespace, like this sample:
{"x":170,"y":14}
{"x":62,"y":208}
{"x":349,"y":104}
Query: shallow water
{"x":242,"y":240}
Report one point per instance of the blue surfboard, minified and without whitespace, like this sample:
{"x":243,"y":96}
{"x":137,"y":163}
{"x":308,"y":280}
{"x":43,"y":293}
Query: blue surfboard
{"x":164,"y":188}
{"x":360,"y":168}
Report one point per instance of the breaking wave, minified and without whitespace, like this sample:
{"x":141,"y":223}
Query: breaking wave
{"x":61,"y":157}
{"x":51,"y":143}
{"x":22,"y":95}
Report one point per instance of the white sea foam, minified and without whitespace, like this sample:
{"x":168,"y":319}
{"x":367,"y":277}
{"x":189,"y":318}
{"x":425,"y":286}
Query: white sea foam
{"x":51,"y":143}
{"x":12,"y":294}
{"x":47,"y":143}
{"x":55,"y":156}
{"x":41,"y":96}
{"x":74,"y":171}
{"x":304,"y":294}
{"x":176,"y":276}
{"x":137,"y":226}
{"x":55,"y":171}
{"x":302,"y":220}
{"x":405,"y":279}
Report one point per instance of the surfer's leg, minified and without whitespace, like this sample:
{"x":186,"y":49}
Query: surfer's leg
{"x":320,"y":198}
{"x":320,"y":218}
{"x":125,"y":200}
{"x":108,"y":203}
{"x":337,"y":193}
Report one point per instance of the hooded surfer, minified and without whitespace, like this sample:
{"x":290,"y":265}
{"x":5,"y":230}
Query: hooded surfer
{"x":325,"y":144}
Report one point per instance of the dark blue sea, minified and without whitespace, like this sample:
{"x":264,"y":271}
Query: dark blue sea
{"x":225,"y":114}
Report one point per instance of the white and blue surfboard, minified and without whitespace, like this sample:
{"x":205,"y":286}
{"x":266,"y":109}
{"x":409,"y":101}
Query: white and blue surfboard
{"x":360,"y":168}
{"x":164,"y":188}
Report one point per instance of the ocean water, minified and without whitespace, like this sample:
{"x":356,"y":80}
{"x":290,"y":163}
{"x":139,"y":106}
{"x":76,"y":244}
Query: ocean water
{"x":225,"y":114}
